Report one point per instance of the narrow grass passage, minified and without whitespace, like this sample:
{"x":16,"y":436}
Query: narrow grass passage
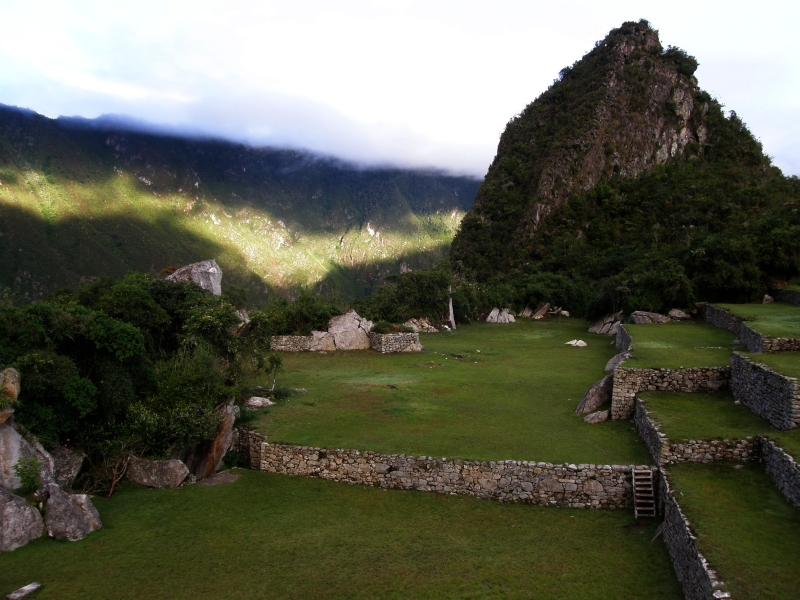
{"x":485,"y":392}
{"x":778,"y":319}
{"x":748,"y":532}
{"x":276,"y":536}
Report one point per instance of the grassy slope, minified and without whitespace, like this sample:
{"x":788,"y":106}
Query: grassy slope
{"x":77,"y":203}
{"x":777,"y":319}
{"x":748,"y":532}
{"x":273,"y":536}
{"x":512,"y":400}
{"x":673,"y":345}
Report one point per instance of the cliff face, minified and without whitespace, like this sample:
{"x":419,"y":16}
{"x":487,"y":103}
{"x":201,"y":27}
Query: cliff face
{"x":625,"y":107}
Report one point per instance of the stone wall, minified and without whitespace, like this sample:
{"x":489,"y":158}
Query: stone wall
{"x":629,"y":381}
{"x":789,"y":296}
{"x":758,"y":342}
{"x":698,"y":580}
{"x":769,"y":394}
{"x":665,"y":452}
{"x":623,"y":339}
{"x":290,"y":343}
{"x":722,"y":318}
{"x":782,"y":468}
{"x":576,"y":486}
{"x":395,"y":342}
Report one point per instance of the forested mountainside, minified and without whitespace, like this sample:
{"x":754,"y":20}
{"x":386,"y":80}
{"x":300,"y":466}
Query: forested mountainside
{"x":626,"y":176}
{"x":82,"y":199}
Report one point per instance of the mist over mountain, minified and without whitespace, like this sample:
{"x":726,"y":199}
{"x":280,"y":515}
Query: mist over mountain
{"x":84,"y":198}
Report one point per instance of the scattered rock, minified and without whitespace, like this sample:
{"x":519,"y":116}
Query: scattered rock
{"x":596,"y":396}
{"x":616,"y":361}
{"x":677,"y":314}
{"x":541,"y":311}
{"x":421,"y":326}
{"x":9,"y":385}
{"x":767,"y":299}
{"x":157,"y":473}
{"x":564,"y":313}
{"x":221,"y":477}
{"x":20,"y":522}
{"x":350,"y":331}
{"x":576,"y":343}
{"x":13,"y":447}
{"x":527,"y":313}
{"x":206,"y":274}
{"x":244,"y":326}
{"x":322,"y":341}
{"x":641,"y":317}
{"x":24,"y":592}
{"x":69,"y":516}
{"x":498,"y":316}
{"x":596,"y":417}
{"x":492,"y":318}
{"x":607,"y":325}
{"x":258,"y":402}
{"x":67,"y":464}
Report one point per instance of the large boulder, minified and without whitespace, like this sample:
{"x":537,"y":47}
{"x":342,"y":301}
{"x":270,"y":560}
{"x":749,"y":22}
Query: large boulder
{"x":597,"y":417}
{"x":69,"y":516}
{"x":505,"y":316}
{"x":205,"y":459}
{"x":527,"y":313}
{"x":206,"y":274}
{"x":616,"y":361}
{"x":68,"y":464}
{"x":14,"y":447}
{"x":676,"y":314}
{"x":350,"y":331}
{"x":20,"y":522}
{"x":596,"y":396}
{"x":641,"y":317}
{"x":156,"y":473}
{"x":322,"y":341}
{"x":492,"y":318}
{"x":608,"y":325}
{"x":541,"y":312}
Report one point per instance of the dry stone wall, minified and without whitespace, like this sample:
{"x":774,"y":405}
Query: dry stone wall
{"x":395,"y":342}
{"x":698,"y":580}
{"x":757,"y":342}
{"x":722,"y":318}
{"x":769,"y":394}
{"x":666,"y":452}
{"x":629,"y":381}
{"x":789,"y":296}
{"x":782,"y":468}
{"x":576,"y":486}
{"x":291,"y":343}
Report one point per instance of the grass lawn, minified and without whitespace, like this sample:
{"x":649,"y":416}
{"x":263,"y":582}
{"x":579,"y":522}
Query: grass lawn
{"x":748,"y":532}
{"x":276,"y":536}
{"x":778,"y":319}
{"x":703,"y":416}
{"x":674,"y":345}
{"x":484,"y":392}
{"x":785,"y":363}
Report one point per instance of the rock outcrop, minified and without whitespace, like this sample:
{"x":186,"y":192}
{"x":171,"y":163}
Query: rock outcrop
{"x":641,"y":317}
{"x":14,"y":447}
{"x":322,"y":341}
{"x":68,"y":464}
{"x":608,"y":325}
{"x":420,"y":326}
{"x":207,"y":274}
{"x":20,"y":522}
{"x":350,"y":331}
{"x":157,"y":473}
{"x":69,"y":516}
{"x":500,"y":316}
{"x":596,"y":396}
{"x":597,"y":417}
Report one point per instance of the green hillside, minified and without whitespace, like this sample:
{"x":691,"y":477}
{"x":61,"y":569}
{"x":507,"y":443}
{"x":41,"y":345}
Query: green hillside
{"x":80,"y":200}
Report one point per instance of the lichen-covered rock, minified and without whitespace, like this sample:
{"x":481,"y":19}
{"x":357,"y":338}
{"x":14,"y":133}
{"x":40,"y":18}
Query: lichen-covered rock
{"x":206,"y":274}
{"x":350,"y":331}
{"x":68,"y":464}
{"x":69,"y":516}
{"x":596,"y":396}
{"x":20,"y":522}
{"x":676,"y":314}
{"x":596,"y":417}
{"x":157,"y":473}
{"x":9,"y":385}
{"x":14,"y":447}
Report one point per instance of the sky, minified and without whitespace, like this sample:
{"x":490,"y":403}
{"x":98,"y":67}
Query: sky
{"x":404,"y":82}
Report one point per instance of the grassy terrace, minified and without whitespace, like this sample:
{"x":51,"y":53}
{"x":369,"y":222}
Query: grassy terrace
{"x":786,"y":363}
{"x":274,"y":536}
{"x":748,"y":532}
{"x":484,"y":392}
{"x":776,"y":320}
{"x":674,"y":345}
{"x":700,"y":416}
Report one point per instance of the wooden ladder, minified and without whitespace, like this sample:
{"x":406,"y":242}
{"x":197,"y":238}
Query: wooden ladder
{"x":644,"y":499}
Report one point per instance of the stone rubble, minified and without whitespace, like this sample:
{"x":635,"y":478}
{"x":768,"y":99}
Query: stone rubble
{"x":641,"y":317}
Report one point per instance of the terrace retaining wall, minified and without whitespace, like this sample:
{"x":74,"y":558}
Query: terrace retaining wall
{"x":769,"y":394}
{"x":789,"y":296}
{"x":698,"y":580}
{"x":665,"y":452}
{"x":576,"y":486}
{"x":630,"y":381}
{"x":395,"y":342}
{"x":758,"y":342}
{"x":782,"y":468}
{"x":722,"y":318}
{"x":291,"y":343}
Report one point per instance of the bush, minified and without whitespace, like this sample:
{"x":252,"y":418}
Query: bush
{"x":27,"y":469}
{"x":385,"y":327}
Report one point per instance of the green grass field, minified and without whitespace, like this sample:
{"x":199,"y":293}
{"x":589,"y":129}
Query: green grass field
{"x":702,"y":416}
{"x":785,"y":363}
{"x":675,"y":345}
{"x":484,"y":392}
{"x":748,"y":532}
{"x":778,"y":319}
{"x":276,"y":536}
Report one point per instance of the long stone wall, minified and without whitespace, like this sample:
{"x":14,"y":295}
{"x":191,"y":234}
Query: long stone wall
{"x":576,"y":486}
{"x":722,"y":318}
{"x":782,"y":468}
{"x":290,"y":343}
{"x":758,"y":342}
{"x":698,"y":580}
{"x":769,"y":394}
{"x":789,"y":296}
{"x":395,"y":342}
{"x":623,"y":339}
{"x":666,"y":452}
{"x":630,"y":381}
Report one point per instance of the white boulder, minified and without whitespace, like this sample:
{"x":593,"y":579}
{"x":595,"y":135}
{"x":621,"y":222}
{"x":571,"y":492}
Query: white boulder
{"x":207,"y":274}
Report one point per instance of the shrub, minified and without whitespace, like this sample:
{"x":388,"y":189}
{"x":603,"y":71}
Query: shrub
{"x":27,"y":469}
